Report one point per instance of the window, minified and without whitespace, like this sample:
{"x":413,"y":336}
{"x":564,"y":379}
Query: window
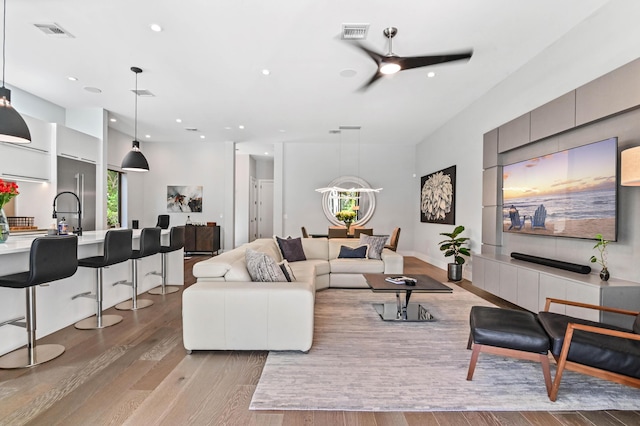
{"x":114,"y":182}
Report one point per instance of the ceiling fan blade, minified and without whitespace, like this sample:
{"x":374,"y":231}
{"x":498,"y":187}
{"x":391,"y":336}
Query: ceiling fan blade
{"x":372,"y":80}
{"x":375,"y":56}
{"x":409,"y":62}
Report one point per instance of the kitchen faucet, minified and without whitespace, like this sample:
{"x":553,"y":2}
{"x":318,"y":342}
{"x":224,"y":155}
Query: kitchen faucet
{"x":77,"y":231}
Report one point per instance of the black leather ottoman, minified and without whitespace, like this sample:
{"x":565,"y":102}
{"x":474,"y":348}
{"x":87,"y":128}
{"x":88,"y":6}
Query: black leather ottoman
{"x":508,"y":332}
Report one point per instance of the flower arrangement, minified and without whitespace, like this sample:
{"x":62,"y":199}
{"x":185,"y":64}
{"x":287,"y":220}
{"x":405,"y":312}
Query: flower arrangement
{"x":346,"y":216}
{"x":8,"y":190}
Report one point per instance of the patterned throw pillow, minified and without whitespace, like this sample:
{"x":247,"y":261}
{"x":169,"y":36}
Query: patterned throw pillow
{"x":291,"y":249}
{"x":353,"y":253}
{"x":263,"y":268}
{"x":376,"y":244}
{"x":286,"y":269}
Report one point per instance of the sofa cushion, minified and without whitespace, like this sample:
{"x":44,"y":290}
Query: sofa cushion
{"x":376,"y":245}
{"x":359,"y":252}
{"x":291,"y":249}
{"x":238,"y":271}
{"x":316,"y":248}
{"x":356,"y":266}
{"x":263,"y":268}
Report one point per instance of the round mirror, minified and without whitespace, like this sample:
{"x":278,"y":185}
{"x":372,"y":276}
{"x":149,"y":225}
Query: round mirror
{"x":344,"y":196}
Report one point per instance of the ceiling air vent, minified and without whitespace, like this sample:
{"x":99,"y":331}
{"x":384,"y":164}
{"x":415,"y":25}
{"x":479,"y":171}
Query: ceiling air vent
{"x":143,"y":93}
{"x":54,"y":30}
{"x":191,"y":129}
{"x":355,"y":31}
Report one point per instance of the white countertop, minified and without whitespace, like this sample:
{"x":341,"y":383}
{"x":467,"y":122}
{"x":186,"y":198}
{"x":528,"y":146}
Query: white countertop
{"x":19,"y":243}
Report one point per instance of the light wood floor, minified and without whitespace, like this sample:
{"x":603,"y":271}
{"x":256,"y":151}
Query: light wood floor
{"x":138,"y":373}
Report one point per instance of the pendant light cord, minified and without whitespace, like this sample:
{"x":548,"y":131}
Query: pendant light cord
{"x":135,"y":131}
{"x":4,"y":37}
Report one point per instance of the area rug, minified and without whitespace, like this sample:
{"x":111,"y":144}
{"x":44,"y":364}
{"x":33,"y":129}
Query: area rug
{"x":360,"y":363}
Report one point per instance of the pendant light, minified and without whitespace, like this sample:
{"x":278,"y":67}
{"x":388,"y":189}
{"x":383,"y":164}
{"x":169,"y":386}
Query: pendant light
{"x":134,"y":161}
{"x":12,"y":126}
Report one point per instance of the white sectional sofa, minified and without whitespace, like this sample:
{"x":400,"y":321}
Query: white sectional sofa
{"x":225,"y":310}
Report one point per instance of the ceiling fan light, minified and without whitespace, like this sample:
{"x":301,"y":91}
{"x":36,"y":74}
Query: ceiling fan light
{"x":135,"y":161}
{"x":389,"y":68}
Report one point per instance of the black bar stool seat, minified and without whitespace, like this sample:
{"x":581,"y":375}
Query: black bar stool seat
{"x":50,"y":259}
{"x":149,"y":245}
{"x":176,"y":242}
{"x":117,"y":249}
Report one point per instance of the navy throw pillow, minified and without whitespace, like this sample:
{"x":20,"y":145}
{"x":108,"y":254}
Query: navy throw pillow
{"x":353,"y":253}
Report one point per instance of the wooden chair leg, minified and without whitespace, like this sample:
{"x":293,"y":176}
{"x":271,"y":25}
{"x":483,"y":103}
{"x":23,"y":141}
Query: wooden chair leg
{"x":470,"y":342}
{"x":546,"y":371}
{"x":474,"y":359}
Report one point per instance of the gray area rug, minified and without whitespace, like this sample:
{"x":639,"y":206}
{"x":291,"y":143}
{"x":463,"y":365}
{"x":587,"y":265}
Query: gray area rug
{"x":360,"y":363}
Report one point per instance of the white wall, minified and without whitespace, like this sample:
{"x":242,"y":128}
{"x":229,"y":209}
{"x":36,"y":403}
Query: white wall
{"x":243,"y":173}
{"x":602,"y":43}
{"x":307,"y":166}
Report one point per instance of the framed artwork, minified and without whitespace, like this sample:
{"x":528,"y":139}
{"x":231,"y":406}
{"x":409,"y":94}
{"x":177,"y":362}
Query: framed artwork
{"x":184,"y":199}
{"x":438,"y":197}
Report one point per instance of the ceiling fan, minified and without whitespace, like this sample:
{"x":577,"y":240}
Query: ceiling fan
{"x":392,"y":63}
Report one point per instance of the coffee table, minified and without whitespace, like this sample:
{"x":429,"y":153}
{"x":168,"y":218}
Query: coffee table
{"x":404,"y":311}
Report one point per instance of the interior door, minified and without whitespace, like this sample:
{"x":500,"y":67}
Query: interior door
{"x":253,"y":209}
{"x":265,"y":208}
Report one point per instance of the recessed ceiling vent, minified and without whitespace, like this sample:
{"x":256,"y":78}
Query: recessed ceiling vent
{"x":54,"y":30}
{"x":191,"y":129}
{"x":355,"y":31}
{"x":143,"y":93}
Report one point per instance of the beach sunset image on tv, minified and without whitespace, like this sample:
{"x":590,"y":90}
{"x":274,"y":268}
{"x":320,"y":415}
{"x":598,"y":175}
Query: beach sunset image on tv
{"x":571,"y":193}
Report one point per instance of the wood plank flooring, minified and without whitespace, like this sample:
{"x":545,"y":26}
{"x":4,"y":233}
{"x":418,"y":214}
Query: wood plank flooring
{"x":137,"y":373}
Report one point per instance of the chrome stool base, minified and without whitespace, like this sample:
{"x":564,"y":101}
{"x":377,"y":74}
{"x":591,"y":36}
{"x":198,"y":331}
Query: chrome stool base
{"x":167,"y":289}
{"x":128,"y":305}
{"x":91,"y":323}
{"x":20,"y":357}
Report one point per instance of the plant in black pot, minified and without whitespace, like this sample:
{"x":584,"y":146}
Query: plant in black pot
{"x":601,"y":245}
{"x":457,"y":247}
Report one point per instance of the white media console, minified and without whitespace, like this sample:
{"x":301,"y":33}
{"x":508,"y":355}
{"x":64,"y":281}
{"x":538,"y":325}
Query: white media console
{"x":528,"y":285}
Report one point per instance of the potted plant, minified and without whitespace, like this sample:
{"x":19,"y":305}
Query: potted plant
{"x":457,"y":247}
{"x":601,"y":245}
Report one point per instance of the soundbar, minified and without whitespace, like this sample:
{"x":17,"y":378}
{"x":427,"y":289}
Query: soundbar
{"x":567,"y":266}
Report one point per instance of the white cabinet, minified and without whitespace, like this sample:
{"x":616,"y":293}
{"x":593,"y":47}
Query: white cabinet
{"x":528,"y":285}
{"x":28,"y":161}
{"x":528,"y":289}
{"x":509,"y":283}
{"x":76,"y":145}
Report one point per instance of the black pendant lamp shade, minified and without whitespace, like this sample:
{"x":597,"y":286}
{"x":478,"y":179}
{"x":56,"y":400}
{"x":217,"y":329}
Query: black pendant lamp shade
{"x":12,"y":126}
{"x":135,"y":161}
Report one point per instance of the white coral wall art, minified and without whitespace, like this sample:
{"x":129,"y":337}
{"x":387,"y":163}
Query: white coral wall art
{"x":438,"y":197}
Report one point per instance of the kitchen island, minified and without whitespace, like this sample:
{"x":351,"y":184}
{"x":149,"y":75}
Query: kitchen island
{"x":54,"y":307}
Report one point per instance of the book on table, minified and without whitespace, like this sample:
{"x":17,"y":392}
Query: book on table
{"x":401,"y":279}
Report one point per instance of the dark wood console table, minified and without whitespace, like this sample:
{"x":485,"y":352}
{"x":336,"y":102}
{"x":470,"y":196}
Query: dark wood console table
{"x":202,"y":239}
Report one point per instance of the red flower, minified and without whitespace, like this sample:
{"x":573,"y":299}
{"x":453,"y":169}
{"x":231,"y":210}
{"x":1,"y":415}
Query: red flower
{"x":8,"y":190}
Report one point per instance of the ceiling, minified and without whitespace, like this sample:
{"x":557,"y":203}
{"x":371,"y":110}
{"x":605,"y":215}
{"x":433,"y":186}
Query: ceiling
{"x":205,"y":66}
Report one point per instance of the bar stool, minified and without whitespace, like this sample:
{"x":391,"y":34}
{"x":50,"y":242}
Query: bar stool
{"x":176,"y":242}
{"x":117,"y":249}
{"x":50,"y":259}
{"x":149,"y":245}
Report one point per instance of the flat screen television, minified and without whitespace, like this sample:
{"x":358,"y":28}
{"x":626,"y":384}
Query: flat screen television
{"x":571,"y":193}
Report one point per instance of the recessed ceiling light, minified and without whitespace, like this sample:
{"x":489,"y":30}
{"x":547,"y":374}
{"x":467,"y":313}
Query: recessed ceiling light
{"x":202,"y":136}
{"x":431,"y":74}
{"x":241,"y":127}
{"x":227,"y":128}
{"x":266,"y":153}
{"x":71,"y":78}
{"x":92,"y":89}
{"x":155,"y":27}
{"x":266,"y":72}
{"x":147,"y":136}
{"x":348,"y":73}
{"x":178,"y":120}
{"x":282,"y":131}
{"x":113,"y":120}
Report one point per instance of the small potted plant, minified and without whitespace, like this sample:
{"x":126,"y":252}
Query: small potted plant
{"x":457,"y":247}
{"x":601,"y":246}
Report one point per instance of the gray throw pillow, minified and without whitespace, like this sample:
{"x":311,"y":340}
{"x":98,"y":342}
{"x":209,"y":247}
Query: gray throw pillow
{"x":353,"y":253}
{"x":291,"y":249}
{"x":263,"y":268}
{"x":376,"y":244}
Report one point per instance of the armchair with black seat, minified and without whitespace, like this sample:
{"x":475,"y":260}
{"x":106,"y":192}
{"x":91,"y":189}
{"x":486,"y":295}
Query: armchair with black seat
{"x":597,"y":349}
{"x":163,"y":221}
